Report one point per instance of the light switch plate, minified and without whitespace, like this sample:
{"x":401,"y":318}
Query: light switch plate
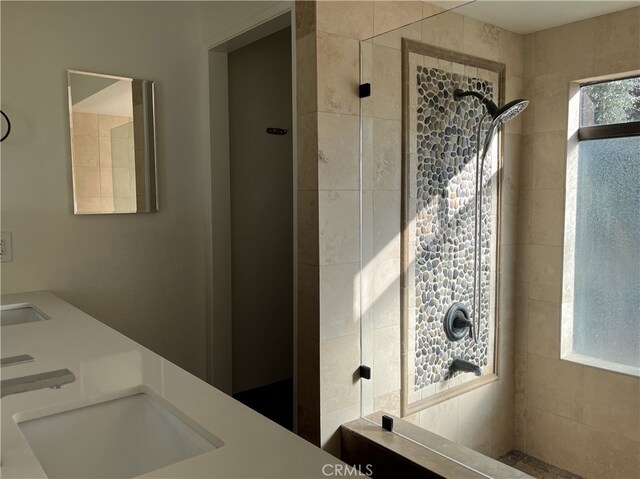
{"x":6,"y":249}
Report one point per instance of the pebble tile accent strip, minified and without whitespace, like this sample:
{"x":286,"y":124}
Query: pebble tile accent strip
{"x":443,"y":248}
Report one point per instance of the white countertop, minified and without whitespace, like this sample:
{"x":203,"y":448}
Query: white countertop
{"x":109,"y":365}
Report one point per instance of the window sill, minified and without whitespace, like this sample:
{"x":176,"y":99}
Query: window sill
{"x":602,"y":364}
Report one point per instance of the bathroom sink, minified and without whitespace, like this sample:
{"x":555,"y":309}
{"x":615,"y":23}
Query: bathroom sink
{"x":121,"y":438}
{"x":11,"y":314}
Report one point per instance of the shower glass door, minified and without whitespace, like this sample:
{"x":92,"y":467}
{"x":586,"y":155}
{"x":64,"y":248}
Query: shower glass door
{"x":419,"y":164}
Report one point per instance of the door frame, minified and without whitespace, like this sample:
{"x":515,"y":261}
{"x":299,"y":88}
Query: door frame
{"x":216,"y":174}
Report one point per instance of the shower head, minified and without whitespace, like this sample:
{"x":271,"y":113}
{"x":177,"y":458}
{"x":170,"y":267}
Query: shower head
{"x":498,"y":115}
{"x":510,"y":111}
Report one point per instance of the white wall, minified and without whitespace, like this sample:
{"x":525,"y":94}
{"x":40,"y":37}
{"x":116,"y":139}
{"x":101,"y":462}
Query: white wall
{"x":220,"y":18}
{"x":143,"y":275}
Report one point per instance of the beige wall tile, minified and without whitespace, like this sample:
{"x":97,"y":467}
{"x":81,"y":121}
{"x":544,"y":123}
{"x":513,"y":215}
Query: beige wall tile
{"x":389,"y":15}
{"x":511,"y":52}
{"x":330,"y":427}
{"x":551,"y":99}
{"x":445,"y":30}
{"x":85,"y":124}
{"x":339,"y":361}
{"x":338,"y":74}
{"x":105,"y":152}
{"x":612,"y":402}
{"x":386,"y":95}
{"x":307,"y":161}
{"x":386,"y":223}
{"x":481,"y":39}
{"x":393,"y":39}
{"x":306,"y":75}
{"x":106,"y":204}
{"x":520,"y":402}
{"x":502,"y":430}
{"x":307,"y":224}
{"x":442,"y":419}
{"x":339,"y":233}
{"x":367,"y":227}
{"x":540,"y":393}
{"x":570,"y":441}
{"x":386,"y":361}
{"x":514,"y":88}
{"x":387,"y":147}
{"x":548,"y":157}
{"x":108,"y":123}
{"x":305,"y":18}
{"x":386,"y":292}
{"x":338,"y":152}
{"x":543,"y":322}
{"x":621,"y":50}
{"x":568,"y":384}
{"x":86,"y":150}
{"x":524,"y":231}
{"x":509,"y":224}
{"x":565,"y":48}
{"x":367,"y":153}
{"x":522,"y":317}
{"x":366,"y":71}
{"x":353,"y":19}
{"x":540,"y":440}
{"x":88,"y":205}
{"x":106,"y":183}
{"x":389,"y":403}
{"x":610,"y":455}
{"x":474,"y":403}
{"x":529,"y":56}
{"x":308,"y":301}
{"x":545,"y":273}
{"x":339,"y":300}
{"x":547,"y":217}
{"x":429,"y":9}
{"x":521,"y":320}
{"x":475,"y":433}
{"x":86,"y":181}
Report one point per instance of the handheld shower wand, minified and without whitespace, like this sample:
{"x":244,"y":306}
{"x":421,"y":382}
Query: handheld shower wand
{"x":498,"y":117}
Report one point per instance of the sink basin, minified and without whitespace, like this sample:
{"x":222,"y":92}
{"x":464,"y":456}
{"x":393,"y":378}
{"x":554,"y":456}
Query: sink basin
{"x":19,"y":314}
{"x":121,"y":438}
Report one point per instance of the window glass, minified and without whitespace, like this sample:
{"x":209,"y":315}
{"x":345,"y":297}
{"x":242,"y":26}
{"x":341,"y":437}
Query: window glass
{"x":606,"y":320}
{"x":610,"y":102}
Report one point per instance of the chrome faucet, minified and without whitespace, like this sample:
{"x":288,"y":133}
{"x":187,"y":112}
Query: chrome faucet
{"x":51,"y":379}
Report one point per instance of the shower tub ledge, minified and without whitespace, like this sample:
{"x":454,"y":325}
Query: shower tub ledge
{"x":415,"y":452}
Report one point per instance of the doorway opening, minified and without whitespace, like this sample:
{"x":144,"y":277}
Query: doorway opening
{"x":253,"y":218}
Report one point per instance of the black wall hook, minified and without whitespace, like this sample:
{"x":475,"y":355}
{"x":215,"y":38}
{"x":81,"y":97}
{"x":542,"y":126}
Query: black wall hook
{"x":8,"y":126}
{"x":276,"y":131}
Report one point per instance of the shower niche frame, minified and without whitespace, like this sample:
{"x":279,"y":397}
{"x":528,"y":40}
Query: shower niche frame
{"x":413,"y":399}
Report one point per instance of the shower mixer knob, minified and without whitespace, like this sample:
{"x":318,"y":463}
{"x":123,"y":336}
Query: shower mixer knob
{"x":457,"y":324}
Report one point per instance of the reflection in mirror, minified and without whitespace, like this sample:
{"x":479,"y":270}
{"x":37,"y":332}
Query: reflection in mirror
{"x":112,"y":144}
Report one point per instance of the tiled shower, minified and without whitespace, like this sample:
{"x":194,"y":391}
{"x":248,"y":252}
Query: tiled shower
{"x":418,"y":151}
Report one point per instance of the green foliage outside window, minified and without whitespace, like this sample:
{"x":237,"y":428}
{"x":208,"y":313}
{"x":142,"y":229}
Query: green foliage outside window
{"x":611,"y":102}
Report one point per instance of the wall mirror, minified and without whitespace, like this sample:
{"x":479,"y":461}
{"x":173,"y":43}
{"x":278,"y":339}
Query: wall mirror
{"x":112,"y":144}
